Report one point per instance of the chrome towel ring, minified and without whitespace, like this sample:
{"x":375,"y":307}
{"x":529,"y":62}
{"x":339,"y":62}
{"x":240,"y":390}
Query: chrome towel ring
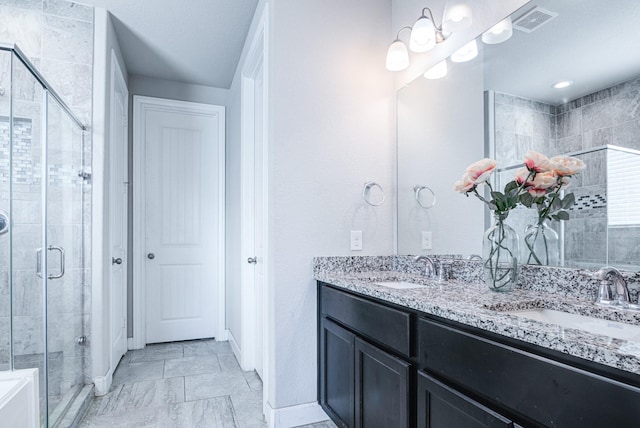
{"x":418,"y":189}
{"x":366,"y":193}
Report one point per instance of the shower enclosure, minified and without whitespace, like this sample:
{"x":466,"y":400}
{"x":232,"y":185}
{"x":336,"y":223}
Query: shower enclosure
{"x":44,"y":227}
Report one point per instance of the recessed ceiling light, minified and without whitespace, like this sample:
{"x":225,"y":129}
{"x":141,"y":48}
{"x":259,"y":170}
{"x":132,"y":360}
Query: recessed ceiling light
{"x":563,"y":84}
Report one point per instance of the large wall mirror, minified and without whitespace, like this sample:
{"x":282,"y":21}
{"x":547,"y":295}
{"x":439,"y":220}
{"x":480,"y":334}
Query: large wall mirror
{"x":503,"y":103}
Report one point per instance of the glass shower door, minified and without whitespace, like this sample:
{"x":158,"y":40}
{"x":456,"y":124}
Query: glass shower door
{"x":66,"y":315}
{"x":25,"y":124}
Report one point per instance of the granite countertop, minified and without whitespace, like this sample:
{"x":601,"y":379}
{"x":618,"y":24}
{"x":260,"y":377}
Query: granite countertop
{"x":471,"y":303}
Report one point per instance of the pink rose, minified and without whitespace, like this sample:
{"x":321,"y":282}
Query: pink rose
{"x":522,"y":175}
{"x":537,"y":162}
{"x":465,"y":184}
{"x":566,"y":165}
{"x":542,"y":183}
{"x":480,"y":171}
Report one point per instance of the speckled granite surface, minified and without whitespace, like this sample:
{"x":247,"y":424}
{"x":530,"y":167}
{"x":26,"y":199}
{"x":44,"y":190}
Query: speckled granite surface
{"x":467,"y":300}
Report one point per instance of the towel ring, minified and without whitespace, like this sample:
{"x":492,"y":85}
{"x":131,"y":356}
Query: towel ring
{"x":418,"y":189}
{"x":366,"y":193}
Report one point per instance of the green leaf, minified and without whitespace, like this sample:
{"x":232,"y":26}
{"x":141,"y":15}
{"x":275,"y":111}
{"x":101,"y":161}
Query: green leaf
{"x":568,"y":201}
{"x":497,"y":195}
{"x":556,"y":205}
{"x":526,"y":199}
{"x":512,"y":185}
{"x":562,"y":215}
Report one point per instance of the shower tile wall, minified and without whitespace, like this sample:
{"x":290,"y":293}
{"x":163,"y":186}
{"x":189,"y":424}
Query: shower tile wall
{"x":57,"y":36}
{"x":609,"y":116}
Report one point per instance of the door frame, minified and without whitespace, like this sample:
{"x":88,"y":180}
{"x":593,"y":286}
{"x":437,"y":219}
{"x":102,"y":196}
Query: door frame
{"x":141,"y":105}
{"x":116,"y":76}
{"x":253,"y":65}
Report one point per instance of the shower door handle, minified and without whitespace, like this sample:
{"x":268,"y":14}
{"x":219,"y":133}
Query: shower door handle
{"x":39,"y":262}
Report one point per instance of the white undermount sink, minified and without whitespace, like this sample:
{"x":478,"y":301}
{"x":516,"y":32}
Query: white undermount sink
{"x":399,"y":285}
{"x":608,"y":328}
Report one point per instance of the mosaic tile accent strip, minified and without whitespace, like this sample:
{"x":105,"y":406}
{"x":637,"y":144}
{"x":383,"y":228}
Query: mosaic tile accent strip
{"x":586,"y":202}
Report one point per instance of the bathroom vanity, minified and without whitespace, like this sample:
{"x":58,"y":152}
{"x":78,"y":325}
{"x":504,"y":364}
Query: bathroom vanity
{"x":455,"y":354}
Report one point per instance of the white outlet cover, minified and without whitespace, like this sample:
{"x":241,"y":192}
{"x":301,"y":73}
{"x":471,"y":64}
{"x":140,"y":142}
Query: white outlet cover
{"x":356,"y":240}
{"x":427,"y":240}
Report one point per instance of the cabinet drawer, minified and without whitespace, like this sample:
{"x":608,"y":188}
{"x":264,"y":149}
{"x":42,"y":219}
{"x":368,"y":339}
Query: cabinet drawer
{"x":388,"y":326}
{"x":541,"y":390}
{"x":442,"y":407}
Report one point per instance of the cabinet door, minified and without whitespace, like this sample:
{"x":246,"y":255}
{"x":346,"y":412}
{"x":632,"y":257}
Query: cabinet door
{"x":336,"y":372}
{"x":440,"y":406}
{"x":382,"y":388}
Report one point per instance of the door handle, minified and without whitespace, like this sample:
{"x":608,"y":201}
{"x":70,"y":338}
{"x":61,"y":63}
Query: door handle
{"x":39,"y":262}
{"x":252,"y":260}
{"x":151,"y":256}
{"x":115,"y":261}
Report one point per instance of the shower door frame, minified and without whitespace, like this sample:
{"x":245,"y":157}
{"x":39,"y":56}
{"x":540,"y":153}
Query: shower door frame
{"x":49,"y":95}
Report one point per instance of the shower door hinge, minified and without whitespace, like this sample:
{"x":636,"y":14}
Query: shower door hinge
{"x":84,"y":175}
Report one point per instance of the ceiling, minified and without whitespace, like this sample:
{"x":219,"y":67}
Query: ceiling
{"x":593,"y":43}
{"x":195,"y":41}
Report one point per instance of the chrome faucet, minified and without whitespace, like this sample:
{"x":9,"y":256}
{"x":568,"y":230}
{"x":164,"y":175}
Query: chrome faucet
{"x":430,"y":266}
{"x":606,"y":276}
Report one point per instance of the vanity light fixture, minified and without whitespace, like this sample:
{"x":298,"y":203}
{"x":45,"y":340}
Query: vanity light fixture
{"x":457,"y":16}
{"x":466,"y":53}
{"x":425,"y":34}
{"x":501,"y":32}
{"x":398,"y":55}
{"x":438,"y":71}
{"x":562,"y":84}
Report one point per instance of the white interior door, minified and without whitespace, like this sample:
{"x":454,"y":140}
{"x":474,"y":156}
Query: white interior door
{"x":181,"y":223}
{"x":118,"y":202}
{"x":258,"y":221}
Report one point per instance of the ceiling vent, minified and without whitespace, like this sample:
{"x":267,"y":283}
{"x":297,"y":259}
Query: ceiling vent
{"x":533,"y":19}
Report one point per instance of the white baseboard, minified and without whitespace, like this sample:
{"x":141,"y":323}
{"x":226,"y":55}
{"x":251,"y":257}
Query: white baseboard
{"x":223,"y":336}
{"x":287,"y":417}
{"x":234,"y":345}
{"x":103,"y":383}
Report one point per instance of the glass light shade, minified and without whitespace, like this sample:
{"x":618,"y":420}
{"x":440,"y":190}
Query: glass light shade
{"x":457,"y":16}
{"x":397,"y":56}
{"x":438,"y":71}
{"x":466,"y":53}
{"x":423,"y":35}
{"x":499,"y":33}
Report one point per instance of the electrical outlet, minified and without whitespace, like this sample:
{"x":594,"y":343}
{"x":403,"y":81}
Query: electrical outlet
{"x":356,"y":240}
{"x":427,"y":242}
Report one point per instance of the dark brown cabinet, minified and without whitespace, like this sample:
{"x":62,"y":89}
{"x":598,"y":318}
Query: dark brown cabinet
{"x":440,"y":406}
{"x":383,"y":365}
{"x":337,"y":351}
{"x":382,"y":384}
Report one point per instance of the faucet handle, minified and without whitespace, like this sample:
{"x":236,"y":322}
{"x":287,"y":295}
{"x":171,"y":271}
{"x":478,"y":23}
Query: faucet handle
{"x":604,"y":292}
{"x":444,"y":272}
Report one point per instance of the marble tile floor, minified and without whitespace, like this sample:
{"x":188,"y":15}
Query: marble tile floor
{"x":181,"y":385}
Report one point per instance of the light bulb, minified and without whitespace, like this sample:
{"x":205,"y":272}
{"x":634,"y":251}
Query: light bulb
{"x":423,"y":35}
{"x":499,"y":33}
{"x":466,"y":53}
{"x":562,"y":84}
{"x":397,"y":56}
{"x":457,"y":16}
{"x":437,"y":71}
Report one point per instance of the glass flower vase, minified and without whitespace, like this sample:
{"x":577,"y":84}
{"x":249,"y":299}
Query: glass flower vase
{"x":500,"y":253}
{"x":541,"y":245}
